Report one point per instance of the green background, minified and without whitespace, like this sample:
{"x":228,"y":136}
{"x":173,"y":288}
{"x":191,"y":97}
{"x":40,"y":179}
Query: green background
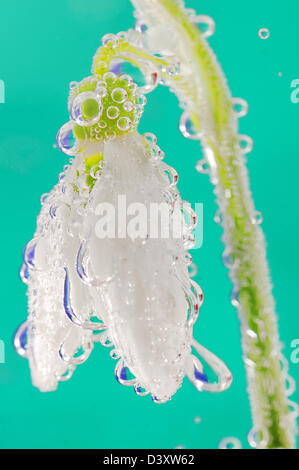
{"x":44,"y":46}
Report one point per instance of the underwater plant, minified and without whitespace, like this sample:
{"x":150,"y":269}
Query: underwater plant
{"x":211,"y":117}
{"x":90,"y":281}
{"x":137,"y":294}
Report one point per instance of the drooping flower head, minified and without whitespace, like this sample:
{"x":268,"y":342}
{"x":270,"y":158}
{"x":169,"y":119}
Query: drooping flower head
{"x":92,"y":275}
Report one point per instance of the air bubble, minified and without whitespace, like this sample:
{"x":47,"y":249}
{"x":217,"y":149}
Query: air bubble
{"x":24,"y":273}
{"x":20,"y":339}
{"x":258,"y":438}
{"x":67,"y":375}
{"x":86,"y":109}
{"x":110,"y":134}
{"x":240,"y":107}
{"x":187,"y":128}
{"x":110,"y":40}
{"x":218,"y":218}
{"x":119,"y":95}
{"x":114,"y":354}
{"x":128,"y":106}
{"x":29,"y":253}
{"x":206,"y":25}
{"x":264,"y":33}
{"x":109,"y":77}
{"x":43,"y":198}
{"x":123,"y":374}
{"x":257,"y":218}
{"x":66,"y":140}
{"x":126,"y":79}
{"x":235,"y":298}
{"x":123,"y":123}
{"x":202,"y":166}
{"x":112,"y":112}
{"x":139,"y":390}
{"x":95,"y":171}
{"x":101,"y":90}
{"x":246,"y":143}
{"x":230,"y":443}
{"x":151,"y":139}
{"x":73,"y":85}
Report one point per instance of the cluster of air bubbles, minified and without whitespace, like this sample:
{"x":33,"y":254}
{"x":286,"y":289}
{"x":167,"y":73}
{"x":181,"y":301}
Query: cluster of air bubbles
{"x":101,"y":108}
{"x":187,"y":127}
{"x":230,"y":443}
{"x":155,"y":152}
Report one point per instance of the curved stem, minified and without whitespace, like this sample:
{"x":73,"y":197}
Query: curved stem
{"x":208,"y":102}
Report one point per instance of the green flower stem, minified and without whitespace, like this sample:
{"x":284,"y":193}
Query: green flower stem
{"x":210,"y":108}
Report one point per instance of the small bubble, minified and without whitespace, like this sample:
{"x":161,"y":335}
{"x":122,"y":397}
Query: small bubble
{"x":66,"y":141}
{"x":240,"y":107}
{"x":206,"y":25}
{"x":43,"y":198}
{"x":112,"y":112}
{"x":128,"y":106}
{"x":119,"y":95}
{"x":257,"y":218}
{"x":187,"y":128}
{"x":123,"y":124}
{"x":110,"y":40}
{"x":264,"y":33}
{"x":202,"y":166}
{"x":197,"y":419}
{"x":230,"y":443}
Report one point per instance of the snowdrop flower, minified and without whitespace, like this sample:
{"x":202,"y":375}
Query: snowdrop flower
{"x":95,"y":277}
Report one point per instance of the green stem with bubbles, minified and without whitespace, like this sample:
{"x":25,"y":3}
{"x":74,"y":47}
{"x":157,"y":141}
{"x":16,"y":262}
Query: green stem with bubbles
{"x":208,"y":99}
